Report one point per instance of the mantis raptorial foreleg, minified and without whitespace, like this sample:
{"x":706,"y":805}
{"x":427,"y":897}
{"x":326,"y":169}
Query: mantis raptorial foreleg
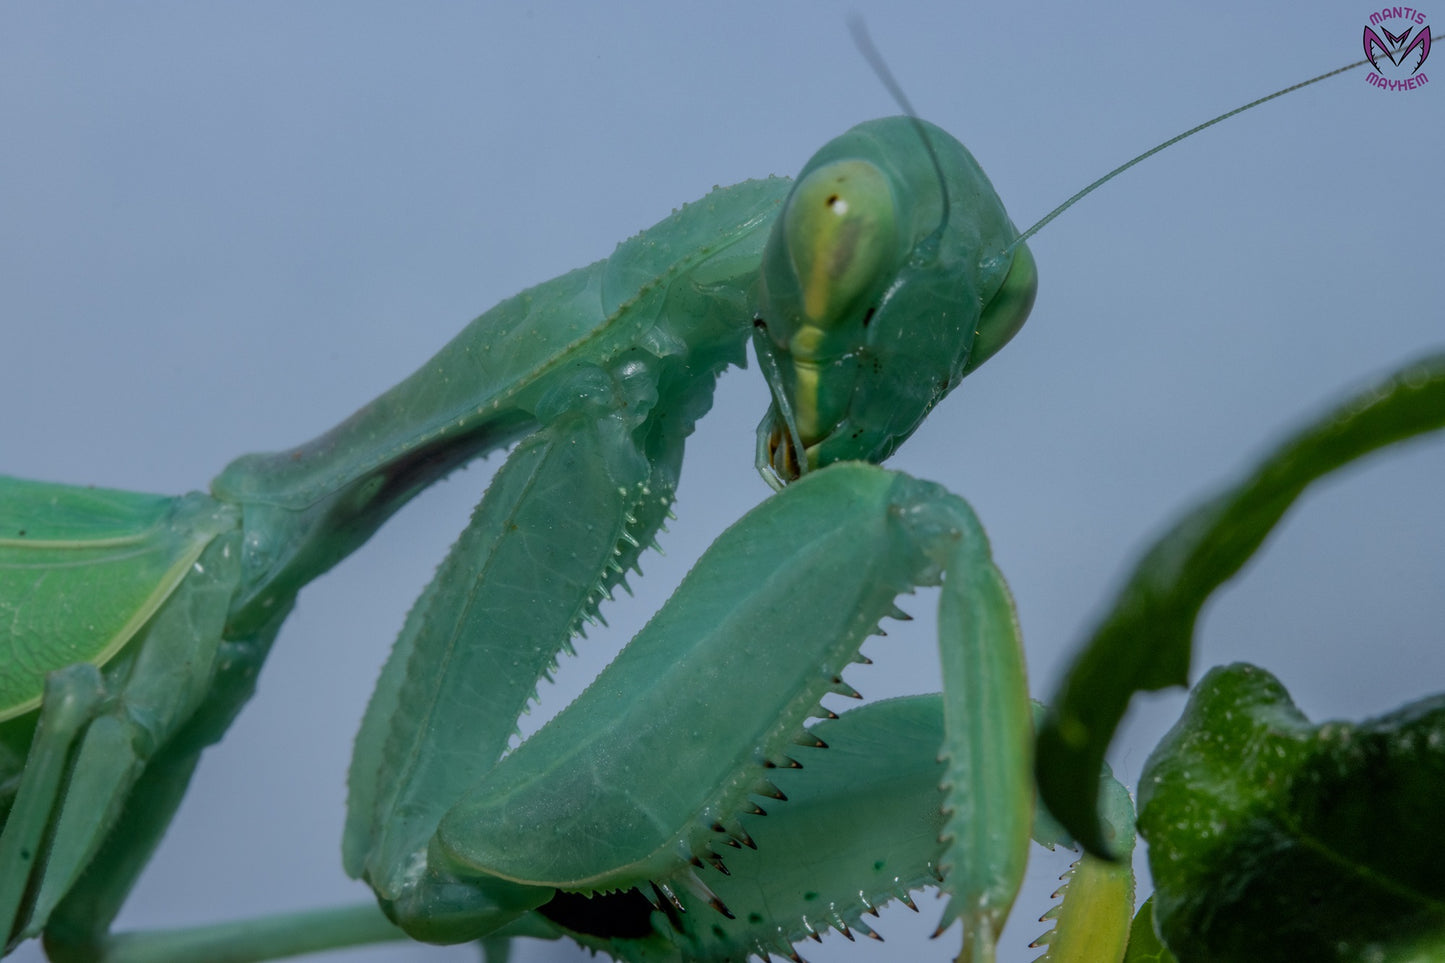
{"x":564,"y":519}
{"x":647,"y":771}
{"x":879,"y":782}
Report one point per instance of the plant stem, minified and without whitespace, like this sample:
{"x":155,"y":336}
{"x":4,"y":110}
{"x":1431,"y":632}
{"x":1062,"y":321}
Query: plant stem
{"x":249,"y":941}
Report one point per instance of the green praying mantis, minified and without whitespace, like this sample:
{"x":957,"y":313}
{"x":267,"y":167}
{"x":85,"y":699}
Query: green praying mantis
{"x":139,"y":623}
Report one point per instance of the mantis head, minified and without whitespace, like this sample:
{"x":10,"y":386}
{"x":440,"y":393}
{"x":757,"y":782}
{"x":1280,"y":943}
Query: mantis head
{"x":890,"y":274}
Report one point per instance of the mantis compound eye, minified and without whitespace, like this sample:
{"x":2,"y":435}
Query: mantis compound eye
{"x":834,"y":249}
{"x":1006,"y":313}
{"x":840,"y":231}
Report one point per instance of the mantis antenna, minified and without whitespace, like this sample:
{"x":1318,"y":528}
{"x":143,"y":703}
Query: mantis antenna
{"x":1171,"y":142}
{"x":880,"y":67}
{"x":870,"y":53}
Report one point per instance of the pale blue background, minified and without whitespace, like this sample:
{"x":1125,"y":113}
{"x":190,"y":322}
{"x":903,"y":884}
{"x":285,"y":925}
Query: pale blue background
{"x":222,"y":231}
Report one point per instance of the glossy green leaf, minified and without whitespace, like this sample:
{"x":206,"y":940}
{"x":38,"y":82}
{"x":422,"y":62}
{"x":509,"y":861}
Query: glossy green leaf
{"x":1091,"y":923}
{"x":1274,"y":839}
{"x":1144,"y":943}
{"x":1145,"y":640}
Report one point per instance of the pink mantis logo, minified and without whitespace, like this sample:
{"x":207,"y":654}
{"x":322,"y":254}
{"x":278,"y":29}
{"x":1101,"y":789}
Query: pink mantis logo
{"x":1396,"y":49}
{"x":1402,"y":53}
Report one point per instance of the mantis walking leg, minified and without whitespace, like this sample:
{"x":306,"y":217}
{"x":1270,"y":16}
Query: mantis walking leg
{"x":83,"y":917}
{"x":97,"y":734}
{"x":72,"y":695}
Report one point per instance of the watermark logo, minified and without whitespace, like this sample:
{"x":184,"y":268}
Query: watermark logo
{"x":1397,"y":43}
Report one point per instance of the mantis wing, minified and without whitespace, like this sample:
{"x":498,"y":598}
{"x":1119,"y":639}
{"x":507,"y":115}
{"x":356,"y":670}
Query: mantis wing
{"x":138,"y":585}
{"x":82,"y":569}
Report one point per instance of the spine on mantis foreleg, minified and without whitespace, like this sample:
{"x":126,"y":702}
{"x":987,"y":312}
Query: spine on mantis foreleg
{"x":683,"y":288}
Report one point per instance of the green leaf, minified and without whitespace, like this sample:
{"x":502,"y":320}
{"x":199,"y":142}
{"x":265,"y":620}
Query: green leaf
{"x":1274,"y":839}
{"x":1144,"y":944}
{"x":1092,"y":921}
{"x":1145,"y":641}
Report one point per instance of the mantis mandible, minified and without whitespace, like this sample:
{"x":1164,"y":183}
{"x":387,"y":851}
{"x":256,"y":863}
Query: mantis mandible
{"x":729,"y":176}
